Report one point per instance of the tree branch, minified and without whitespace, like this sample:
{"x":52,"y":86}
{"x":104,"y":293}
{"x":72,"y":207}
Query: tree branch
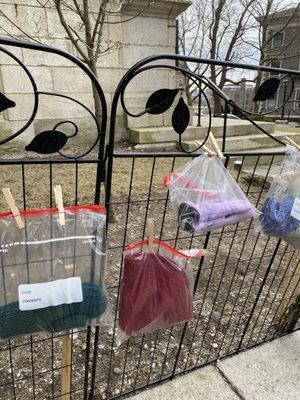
{"x":69,"y":31}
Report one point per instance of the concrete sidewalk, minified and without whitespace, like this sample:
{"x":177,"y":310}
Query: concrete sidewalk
{"x":267,"y":372}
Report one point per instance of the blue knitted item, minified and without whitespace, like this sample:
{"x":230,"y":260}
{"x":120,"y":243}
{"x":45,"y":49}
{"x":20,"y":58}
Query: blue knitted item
{"x":276,"y":217}
{"x":14,"y":322}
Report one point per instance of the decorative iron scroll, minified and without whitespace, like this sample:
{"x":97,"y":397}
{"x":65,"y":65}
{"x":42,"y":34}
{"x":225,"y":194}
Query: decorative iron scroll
{"x":161,"y":100}
{"x":54,"y":140}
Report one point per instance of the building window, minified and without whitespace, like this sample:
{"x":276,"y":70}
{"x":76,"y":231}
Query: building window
{"x":275,"y":64}
{"x":278,"y":39}
{"x":297,"y":102}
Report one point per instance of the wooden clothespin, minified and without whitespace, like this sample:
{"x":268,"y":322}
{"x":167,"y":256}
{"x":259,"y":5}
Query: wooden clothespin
{"x":208,"y":151}
{"x":150,"y":233}
{"x":205,"y":148}
{"x":215,"y":145}
{"x":60,"y":204}
{"x":291,"y":142}
{"x":13,"y":208}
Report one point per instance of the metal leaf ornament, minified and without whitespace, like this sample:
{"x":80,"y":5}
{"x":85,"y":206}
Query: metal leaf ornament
{"x":5,"y":103}
{"x":160,"y":101}
{"x":48,"y":142}
{"x":267,"y":89}
{"x":180,"y":117}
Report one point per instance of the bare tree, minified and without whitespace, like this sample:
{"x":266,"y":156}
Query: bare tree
{"x":224,"y":25}
{"x":192,"y":39}
{"x":85,"y":23}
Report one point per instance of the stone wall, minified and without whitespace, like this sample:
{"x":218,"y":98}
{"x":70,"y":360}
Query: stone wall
{"x":152,"y":32}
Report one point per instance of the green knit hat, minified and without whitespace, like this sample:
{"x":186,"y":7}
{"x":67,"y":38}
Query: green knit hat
{"x":14,"y":322}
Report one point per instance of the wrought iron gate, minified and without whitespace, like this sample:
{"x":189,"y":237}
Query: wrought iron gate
{"x":238,"y":288}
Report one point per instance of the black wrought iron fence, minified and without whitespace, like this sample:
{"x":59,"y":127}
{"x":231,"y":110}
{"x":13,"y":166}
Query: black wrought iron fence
{"x":239,"y":286}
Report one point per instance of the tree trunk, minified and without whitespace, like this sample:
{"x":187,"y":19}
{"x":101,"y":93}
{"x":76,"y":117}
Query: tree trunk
{"x":257,"y":84}
{"x":217,"y":105}
{"x":98,"y":113}
{"x":97,"y":103}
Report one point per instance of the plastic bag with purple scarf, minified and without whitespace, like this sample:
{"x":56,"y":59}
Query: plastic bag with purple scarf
{"x":204,"y":196}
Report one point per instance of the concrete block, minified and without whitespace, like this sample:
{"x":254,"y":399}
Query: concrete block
{"x":287,"y":128}
{"x":234,"y":127}
{"x":19,"y":2}
{"x":87,"y":131}
{"x":136,"y":99}
{"x":70,"y":79}
{"x":172,"y":34}
{"x":146,"y":31}
{"x":15,"y":79}
{"x":32,"y":20}
{"x":145,"y":120}
{"x":133,"y":53}
{"x":7,"y":60}
{"x":204,"y":384}
{"x":149,"y":120}
{"x":55,"y":107}
{"x":149,"y":81}
{"x":74,"y":80}
{"x":167,"y":9}
{"x":5,"y":26}
{"x":109,"y":78}
{"x":33,"y":57}
{"x":160,"y":134}
{"x":270,"y":371}
{"x":167,"y":146}
{"x":8,"y":128}
{"x":63,"y":108}
{"x":110,"y":60}
{"x":23,"y":109}
{"x":114,"y":28}
{"x":264,"y":159}
{"x":55,"y":28}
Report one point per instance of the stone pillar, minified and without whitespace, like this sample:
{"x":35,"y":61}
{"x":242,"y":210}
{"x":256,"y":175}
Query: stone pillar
{"x":153,"y":32}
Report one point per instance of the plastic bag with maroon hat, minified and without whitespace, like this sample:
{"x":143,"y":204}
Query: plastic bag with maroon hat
{"x":156,"y":288}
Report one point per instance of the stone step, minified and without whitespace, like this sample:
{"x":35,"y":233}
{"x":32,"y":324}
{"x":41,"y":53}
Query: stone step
{"x":167,"y":146}
{"x":287,"y":128}
{"x":246,"y":143}
{"x":262,"y":175}
{"x":167,"y":133}
{"x":266,"y":158}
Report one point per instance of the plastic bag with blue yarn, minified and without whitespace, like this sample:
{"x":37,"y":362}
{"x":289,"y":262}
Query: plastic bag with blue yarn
{"x":280,"y":212}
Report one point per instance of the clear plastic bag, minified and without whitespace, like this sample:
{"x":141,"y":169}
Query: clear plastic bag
{"x":204,"y":196}
{"x":280,"y":215}
{"x":156,"y":288}
{"x":52,"y":277}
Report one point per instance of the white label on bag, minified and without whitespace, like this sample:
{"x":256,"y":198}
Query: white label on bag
{"x":296,"y":209}
{"x":41,"y":295}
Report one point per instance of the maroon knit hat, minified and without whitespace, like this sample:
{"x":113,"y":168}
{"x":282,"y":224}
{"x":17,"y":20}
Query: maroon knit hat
{"x":155,"y":289}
